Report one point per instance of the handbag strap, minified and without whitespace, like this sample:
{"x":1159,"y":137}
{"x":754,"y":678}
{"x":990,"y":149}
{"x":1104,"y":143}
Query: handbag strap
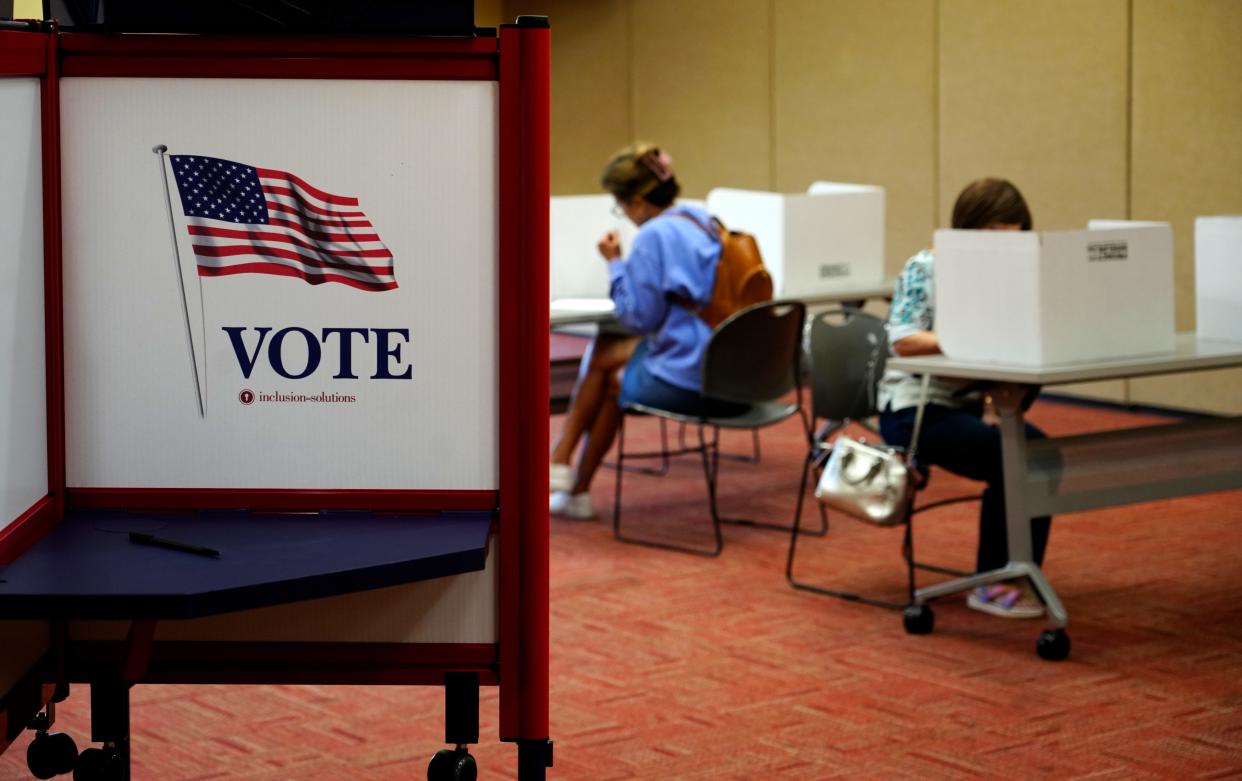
{"x":918,"y":420}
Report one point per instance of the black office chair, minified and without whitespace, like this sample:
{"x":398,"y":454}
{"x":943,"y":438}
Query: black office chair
{"x":752,"y":358}
{"x":847,"y":353}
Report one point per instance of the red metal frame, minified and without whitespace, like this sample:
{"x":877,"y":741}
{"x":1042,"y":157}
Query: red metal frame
{"x":27,"y":529}
{"x":22,"y":53}
{"x":53,"y":281}
{"x":524,"y":193}
{"x":519,"y":60}
{"x":457,"y":59}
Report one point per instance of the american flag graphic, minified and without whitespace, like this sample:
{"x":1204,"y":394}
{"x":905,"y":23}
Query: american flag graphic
{"x":248,"y":220}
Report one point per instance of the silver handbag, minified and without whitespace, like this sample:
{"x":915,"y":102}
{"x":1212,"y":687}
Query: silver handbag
{"x":865,"y":481}
{"x":869,"y":482}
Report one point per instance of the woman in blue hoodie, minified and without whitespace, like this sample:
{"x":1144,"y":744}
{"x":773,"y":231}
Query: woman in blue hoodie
{"x":670,"y":272}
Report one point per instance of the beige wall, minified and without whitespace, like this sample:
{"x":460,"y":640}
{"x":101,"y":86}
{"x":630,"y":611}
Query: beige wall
{"x":27,"y":9}
{"x":707,"y":102}
{"x":852,"y":82}
{"x":1187,"y":155}
{"x":489,"y":13}
{"x":1096,"y":108}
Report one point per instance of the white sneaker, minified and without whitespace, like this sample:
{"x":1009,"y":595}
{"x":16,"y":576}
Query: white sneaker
{"x":561,"y":477}
{"x":574,"y":506}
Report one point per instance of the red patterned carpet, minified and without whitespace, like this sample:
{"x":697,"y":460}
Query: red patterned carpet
{"x":667,"y":666}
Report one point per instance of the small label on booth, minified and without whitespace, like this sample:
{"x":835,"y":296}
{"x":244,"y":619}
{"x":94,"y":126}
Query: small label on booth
{"x":1107,"y":250}
{"x":833,"y":270}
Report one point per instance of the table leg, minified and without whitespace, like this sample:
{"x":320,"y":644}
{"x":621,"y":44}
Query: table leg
{"x":1008,"y":400}
{"x":109,"y":726}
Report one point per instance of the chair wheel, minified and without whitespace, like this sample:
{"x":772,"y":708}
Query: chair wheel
{"x":97,"y":764}
{"x":50,"y":755}
{"x":452,"y":765}
{"x":918,"y":619}
{"x":1053,"y":645}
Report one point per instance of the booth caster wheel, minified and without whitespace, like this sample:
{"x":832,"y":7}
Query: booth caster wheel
{"x":452,"y":765}
{"x":99,"y":764}
{"x":1053,"y":645}
{"x":918,"y":619}
{"x":50,"y":755}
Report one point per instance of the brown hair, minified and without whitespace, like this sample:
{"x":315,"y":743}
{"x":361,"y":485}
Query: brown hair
{"x":627,"y":175}
{"x":986,"y":202}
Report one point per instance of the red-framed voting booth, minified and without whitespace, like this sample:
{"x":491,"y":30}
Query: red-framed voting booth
{"x":380,"y":396}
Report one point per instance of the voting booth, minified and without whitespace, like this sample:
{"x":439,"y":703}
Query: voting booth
{"x":1218,"y":277}
{"x":275,"y":366}
{"x":829,"y":238}
{"x":1040,"y":298}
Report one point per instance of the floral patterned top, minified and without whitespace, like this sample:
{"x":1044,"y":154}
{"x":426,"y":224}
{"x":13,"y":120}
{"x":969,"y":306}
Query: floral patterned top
{"x":914,"y":310}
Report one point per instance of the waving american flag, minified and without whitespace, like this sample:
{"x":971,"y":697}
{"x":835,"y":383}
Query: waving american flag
{"x":248,"y":220}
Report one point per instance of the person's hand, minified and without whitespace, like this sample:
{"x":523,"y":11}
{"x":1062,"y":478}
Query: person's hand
{"x":610,"y":245}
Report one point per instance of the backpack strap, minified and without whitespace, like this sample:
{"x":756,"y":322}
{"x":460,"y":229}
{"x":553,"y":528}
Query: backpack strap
{"x":680,"y":299}
{"x":715,"y":223}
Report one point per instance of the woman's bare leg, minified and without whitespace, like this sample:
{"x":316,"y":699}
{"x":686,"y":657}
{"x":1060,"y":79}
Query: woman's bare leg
{"x":603,"y":432}
{"x":605,"y":356}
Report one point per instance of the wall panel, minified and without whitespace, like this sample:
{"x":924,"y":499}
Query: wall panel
{"x":854,"y":88}
{"x":1037,"y":93}
{"x":1187,"y":155}
{"x":702,"y":89}
{"x":489,"y":13}
{"x":591,"y":115}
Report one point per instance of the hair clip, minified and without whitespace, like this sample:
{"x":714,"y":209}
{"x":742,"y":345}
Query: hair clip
{"x":659,"y":164}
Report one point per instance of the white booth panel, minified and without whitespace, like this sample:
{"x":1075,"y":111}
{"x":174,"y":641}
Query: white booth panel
{"x":762,"y":215}
{"x":23,"y":376}
{"x":576,"y":224}
{"x":813,"y":244}
{"x":1218,"y":277}
{"x":1055,"y":297}
{"x":972,"y":320}
{"x":578,"y":275}
{"x":302,"y":385}
{"x":852,"y":229}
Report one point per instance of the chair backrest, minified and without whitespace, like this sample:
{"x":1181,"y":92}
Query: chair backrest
{"x":754,"y":355}
{"x":848,"y":350}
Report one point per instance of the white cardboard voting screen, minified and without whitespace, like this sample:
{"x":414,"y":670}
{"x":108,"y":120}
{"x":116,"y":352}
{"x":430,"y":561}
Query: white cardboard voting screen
{"x":1053,"y":297}
{"x":23,"y":379}
{"x":1218,"y":277}
{"x":575,"y":225}
{"x":346,"y":388}
{"x":830,"y":238}
{"x":578,"y":276}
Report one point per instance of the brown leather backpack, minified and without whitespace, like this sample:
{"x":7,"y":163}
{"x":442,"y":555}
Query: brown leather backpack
{"x":741,"y":279}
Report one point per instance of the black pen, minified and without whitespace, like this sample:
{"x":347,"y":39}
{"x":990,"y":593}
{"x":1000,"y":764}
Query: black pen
{"x":141,"y":538}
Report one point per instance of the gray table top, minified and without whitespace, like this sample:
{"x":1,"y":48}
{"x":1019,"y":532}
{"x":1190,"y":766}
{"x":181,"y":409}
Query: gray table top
{"x":1190,"y":354}
{"x":569,"y":314}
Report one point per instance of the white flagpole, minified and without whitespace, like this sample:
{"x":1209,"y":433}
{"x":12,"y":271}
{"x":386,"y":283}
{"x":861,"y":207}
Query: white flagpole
{"x":161,"y":151}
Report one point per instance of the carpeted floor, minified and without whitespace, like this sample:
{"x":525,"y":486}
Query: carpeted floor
{"x":670,"y":666}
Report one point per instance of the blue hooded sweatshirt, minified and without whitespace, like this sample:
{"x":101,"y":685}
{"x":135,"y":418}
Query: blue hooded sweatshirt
{"x":671,"y":257}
